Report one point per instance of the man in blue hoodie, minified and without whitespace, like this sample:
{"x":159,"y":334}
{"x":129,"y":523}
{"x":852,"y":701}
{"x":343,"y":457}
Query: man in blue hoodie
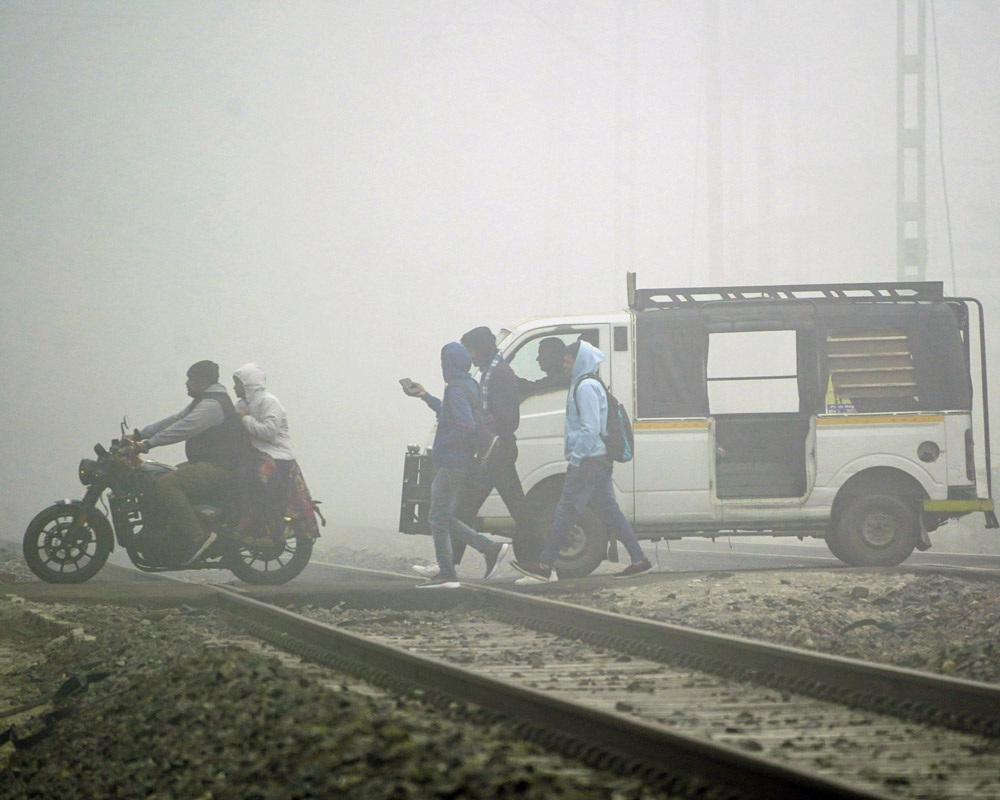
{"x":588,"y":478}
{"x":453,"y":452}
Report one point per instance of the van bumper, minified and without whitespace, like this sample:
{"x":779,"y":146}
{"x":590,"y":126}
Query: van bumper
{"x":958,"y":508}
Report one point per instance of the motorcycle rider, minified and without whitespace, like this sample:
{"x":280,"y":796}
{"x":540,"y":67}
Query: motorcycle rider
{"x":214,"y":442}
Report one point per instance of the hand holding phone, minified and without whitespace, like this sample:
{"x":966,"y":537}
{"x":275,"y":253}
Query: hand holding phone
{"x":410,"y":388}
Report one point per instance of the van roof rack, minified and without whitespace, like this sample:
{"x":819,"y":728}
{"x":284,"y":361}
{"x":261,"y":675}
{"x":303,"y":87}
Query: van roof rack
{"x":647,"y":299}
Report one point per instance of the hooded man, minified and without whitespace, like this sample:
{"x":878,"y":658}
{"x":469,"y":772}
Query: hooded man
{"x":272,"y":488}
{"x":499,"y":402}
{"x":453,"y":453}
{"x":214,"y":444}
{"x":588,"y":477}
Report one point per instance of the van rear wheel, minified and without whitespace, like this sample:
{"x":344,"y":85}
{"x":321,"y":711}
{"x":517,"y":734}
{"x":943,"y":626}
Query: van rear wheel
{"x":876,"y":530}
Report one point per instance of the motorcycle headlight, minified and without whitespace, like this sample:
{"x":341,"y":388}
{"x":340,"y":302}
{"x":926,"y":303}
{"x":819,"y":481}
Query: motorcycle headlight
{"x":87,"y":471}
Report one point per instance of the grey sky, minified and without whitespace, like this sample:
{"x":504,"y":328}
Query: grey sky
{"x":335,"y":189}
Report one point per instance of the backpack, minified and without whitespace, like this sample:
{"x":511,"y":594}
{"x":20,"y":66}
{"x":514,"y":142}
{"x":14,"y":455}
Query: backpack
{"x":619,"y":441}
{"x":485,"y":437}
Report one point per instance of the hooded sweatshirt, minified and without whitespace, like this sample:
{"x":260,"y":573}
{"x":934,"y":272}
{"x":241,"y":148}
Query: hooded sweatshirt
{"x":455,"y":438}
{"x":267,"y":422}
{"x":499,"y":395}
{"x":586,"y":408}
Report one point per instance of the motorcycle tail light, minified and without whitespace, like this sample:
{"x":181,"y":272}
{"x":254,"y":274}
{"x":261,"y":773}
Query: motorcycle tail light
{"x":87,"y":471}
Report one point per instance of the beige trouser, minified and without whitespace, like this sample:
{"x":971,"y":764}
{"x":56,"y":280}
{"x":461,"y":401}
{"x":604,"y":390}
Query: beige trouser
{"x":174,"y":494}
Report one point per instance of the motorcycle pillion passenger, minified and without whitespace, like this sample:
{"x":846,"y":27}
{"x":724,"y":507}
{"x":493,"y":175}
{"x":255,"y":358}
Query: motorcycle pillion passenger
{"x":273,"y":491}
{"x":215,"y":443}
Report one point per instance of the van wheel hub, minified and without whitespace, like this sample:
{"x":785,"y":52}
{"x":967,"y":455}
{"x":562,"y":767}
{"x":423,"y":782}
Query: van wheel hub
{"x":879,"y":530}
{"x":575,"y":543}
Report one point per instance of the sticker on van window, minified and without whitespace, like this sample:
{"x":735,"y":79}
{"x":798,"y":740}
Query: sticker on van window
{"x":836,"y":403}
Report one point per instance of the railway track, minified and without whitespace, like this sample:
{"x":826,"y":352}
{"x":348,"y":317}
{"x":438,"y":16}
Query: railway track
{"x":687,"y":710}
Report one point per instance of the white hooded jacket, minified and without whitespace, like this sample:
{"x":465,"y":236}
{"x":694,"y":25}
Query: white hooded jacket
{"x":267,"y":422}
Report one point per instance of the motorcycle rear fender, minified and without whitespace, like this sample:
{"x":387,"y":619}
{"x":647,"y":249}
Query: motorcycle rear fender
{"x":100,"y":522}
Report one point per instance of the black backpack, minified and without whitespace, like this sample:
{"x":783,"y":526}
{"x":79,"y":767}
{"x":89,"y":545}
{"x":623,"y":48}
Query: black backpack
{"x":620,"y":441}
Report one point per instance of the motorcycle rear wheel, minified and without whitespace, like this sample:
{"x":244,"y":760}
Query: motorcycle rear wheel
{"x":268,"y":566}
{"x":58,"y":553}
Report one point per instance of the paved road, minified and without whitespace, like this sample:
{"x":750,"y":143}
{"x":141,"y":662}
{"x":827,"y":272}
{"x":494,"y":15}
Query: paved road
{"x":695,"y":555}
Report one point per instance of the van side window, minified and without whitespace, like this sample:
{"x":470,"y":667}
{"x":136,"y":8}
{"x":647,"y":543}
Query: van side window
{"x":894,"y":358}
{"x":537,"y":362}
{"x":869,"y":370}
{"x":670,"y":365}
{"x":752,"y":372}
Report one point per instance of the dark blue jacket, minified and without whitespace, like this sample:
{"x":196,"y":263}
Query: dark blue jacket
{"x":455,"y":439}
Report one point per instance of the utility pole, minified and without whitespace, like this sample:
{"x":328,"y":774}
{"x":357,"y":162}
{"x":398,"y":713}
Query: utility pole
{"x":911,"y":141}
{"x":713,"y":140}
{"x":626,"y":78}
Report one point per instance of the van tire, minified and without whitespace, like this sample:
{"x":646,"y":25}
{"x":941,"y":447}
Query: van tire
{"x":833,"y":544}
{"x":877,"y":530}
{"x":588,"y":543}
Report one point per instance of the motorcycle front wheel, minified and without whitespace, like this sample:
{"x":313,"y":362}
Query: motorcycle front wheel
{"x":268,"y":566}
{"x":58,"y":550}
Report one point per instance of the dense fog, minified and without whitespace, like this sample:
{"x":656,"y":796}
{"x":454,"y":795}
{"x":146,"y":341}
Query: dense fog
{"x":336,"y":189}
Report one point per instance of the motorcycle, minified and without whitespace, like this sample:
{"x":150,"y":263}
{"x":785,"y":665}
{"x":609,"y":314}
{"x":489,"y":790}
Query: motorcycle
{"x":70,"y":541}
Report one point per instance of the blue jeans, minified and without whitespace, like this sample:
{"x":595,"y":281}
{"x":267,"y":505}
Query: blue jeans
{"x":445,"y":525}
{"x":589,"y":482}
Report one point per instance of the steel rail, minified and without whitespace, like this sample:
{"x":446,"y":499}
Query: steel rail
{"x":970,"y":706}
{"x":603,"y":739}
{"x":960,"y":704}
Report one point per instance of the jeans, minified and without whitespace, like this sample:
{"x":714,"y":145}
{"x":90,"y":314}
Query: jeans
{"x":444,"y":525}
{"x":500,"y":471}
{"x":591,"y":481}
{"x":174,"y":493}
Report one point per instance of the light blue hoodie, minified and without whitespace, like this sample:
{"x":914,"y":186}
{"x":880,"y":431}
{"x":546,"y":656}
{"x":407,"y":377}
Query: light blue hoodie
{"x":586,"y":408}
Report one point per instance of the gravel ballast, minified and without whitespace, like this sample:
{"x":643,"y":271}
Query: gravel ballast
{"x":178,"y":705}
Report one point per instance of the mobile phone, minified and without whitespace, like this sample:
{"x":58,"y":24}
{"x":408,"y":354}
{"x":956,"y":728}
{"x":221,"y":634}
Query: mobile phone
{"x":408,"y":386}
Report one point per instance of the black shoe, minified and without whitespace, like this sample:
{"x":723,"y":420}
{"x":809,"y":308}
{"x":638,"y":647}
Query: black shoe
{"x":534,"y":570}
{"x":494,"y":559}
{"x":197,"y":548}
{"x":632,"y":570}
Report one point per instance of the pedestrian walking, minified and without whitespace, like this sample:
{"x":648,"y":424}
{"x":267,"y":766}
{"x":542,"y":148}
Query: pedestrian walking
{"x":588,"y":477}
{"x":453,"y":453}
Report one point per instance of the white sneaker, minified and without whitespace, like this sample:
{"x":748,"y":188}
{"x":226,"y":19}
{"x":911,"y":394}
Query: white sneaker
{"x":493,"y":564}
{"x":528,"y":580}
{"x":437,"y":583}
{"x":427,"y":572}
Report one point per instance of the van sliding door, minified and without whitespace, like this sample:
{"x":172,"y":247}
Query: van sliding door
{"x":761,"y":432}
{"x":672,"y":440}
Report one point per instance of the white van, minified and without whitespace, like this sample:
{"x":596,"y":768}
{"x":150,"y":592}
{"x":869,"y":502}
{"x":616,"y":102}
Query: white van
{"x":837,"y":411}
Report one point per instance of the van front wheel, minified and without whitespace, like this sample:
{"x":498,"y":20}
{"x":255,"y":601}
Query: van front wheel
{"x":586,"y":546}
{"x":877,"y":530}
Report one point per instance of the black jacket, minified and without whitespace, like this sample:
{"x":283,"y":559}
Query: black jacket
{"x":503,"y":402}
